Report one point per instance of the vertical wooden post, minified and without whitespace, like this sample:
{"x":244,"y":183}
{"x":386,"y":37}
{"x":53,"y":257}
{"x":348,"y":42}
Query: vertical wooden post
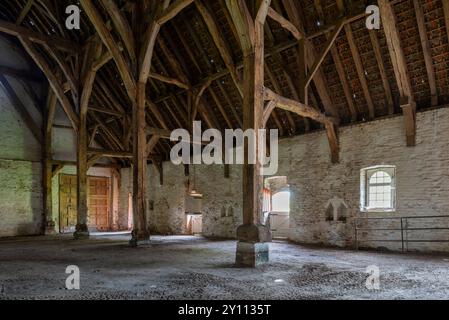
{"x":252,"y":235}
{"x":85,"y":79}
{"x":140,"y":232}
{"x":82,"y":230}
{"x":302,"y":60}
{"x":49,"y":224}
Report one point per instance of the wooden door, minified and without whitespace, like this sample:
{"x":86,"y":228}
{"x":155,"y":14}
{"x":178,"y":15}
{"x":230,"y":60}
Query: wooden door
{"x":99,"y":203}
{"x":67,"y":203}
{"x":196,"y":224}
{"x":280,"y":224}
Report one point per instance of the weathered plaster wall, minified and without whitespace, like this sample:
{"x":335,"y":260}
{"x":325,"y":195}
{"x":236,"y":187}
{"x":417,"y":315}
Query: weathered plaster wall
{"x":421,"y":173}
{"x":21,"y":198}
{"x":167,"y":202}
{"x":20,"y":168}
{"x":221,"y":204}
{"x":222,"y":200}
{"x":124,"y":202}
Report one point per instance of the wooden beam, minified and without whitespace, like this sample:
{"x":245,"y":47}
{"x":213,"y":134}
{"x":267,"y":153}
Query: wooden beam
{"x":172,"y":11}
{"x":223,"y":112}
{"x":92,"y":53}
{"x":395,"y":48}
{"x":60,"y":43}
{"x":197,"y":100}
{"x":122,"y":27}
{"x":268,"y":110}
{"x":151,"y":144}
{"x":51,"y":109}
{"x":382,"y":70}
{"x":109,"y":153}
{"x":163,"y":15}
{"x":21,"y":110}
{"x":107,"y":111}
{"x":409,"y":111}
{"x":140,"y":232}
{"x":446,"y":17}
{"x":310,"y":54}
{"x":56,"y":169}
{"x":332,"y":137}
{"x":319,"y":60}
{"x":400,"y":69}
{"x":251,"y":38}
{"x":53,"y":81}
{"x":208,"y":117}
{"x":24,"y":12}
{"x":92,"y":135}
{"x":339,"y":66}
{"x":297,"y":107}
{"x":65,"y":70}
{"x":219,"y":43}
{"x":47,"y":165}
{"x":112,"y":46}
{"x":112,"y":136}
{"x":92,"y":160}
{"x":360,"y":70}
{"x":241,"y":23}
{"x":169,"y":80}
{"x":286,"y":24}
{"x":105,"y":58}
{"x":427,"y":52}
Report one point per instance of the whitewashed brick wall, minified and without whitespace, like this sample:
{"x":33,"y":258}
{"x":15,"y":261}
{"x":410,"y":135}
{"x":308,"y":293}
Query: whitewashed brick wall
{"x":422,"y":174}
{"x":21,"y":203}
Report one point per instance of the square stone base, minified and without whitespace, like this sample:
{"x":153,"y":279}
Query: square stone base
{"x":250,"y":255}
{"x":81,"y":235}
{"x":136,"y":243}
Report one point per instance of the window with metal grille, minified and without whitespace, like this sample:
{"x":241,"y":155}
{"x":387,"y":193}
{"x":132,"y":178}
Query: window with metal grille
{"x":378,"y":188}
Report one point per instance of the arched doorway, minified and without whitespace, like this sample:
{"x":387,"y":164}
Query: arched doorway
{"x":279,"y":207}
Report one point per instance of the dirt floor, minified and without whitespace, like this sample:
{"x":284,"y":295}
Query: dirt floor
{"x":194,"y":268}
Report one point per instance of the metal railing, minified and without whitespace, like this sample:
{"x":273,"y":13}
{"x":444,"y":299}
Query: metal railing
{"x":404,"y":230}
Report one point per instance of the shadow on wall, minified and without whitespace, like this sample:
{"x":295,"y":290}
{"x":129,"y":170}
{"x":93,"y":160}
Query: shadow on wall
{"x":22,"y":213}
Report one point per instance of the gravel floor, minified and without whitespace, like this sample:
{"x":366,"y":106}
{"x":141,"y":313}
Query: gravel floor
{"x":195,"y":268}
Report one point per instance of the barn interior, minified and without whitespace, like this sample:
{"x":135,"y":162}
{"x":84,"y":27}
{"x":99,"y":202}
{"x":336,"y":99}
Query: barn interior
{"x":92,"y":91}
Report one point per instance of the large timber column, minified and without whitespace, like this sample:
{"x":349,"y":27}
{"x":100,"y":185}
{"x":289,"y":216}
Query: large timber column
{"x":253,"y":237}
{"x":49,"y":224}
{"x":82,"y":231}
{"x":87,"y":78}
{"x":140,"y":233}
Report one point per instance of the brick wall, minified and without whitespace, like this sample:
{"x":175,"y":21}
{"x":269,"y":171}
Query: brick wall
{"x":20,"y":173}
{"x":221,"y":203}
{"x":21,"y":198}
{"x":165,"y":203}
{"x":421,"y":173}
{"x":222,"y":200}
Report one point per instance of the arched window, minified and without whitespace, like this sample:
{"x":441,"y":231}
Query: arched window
{"x":378,"y":189}
{"x":281,"y":202}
